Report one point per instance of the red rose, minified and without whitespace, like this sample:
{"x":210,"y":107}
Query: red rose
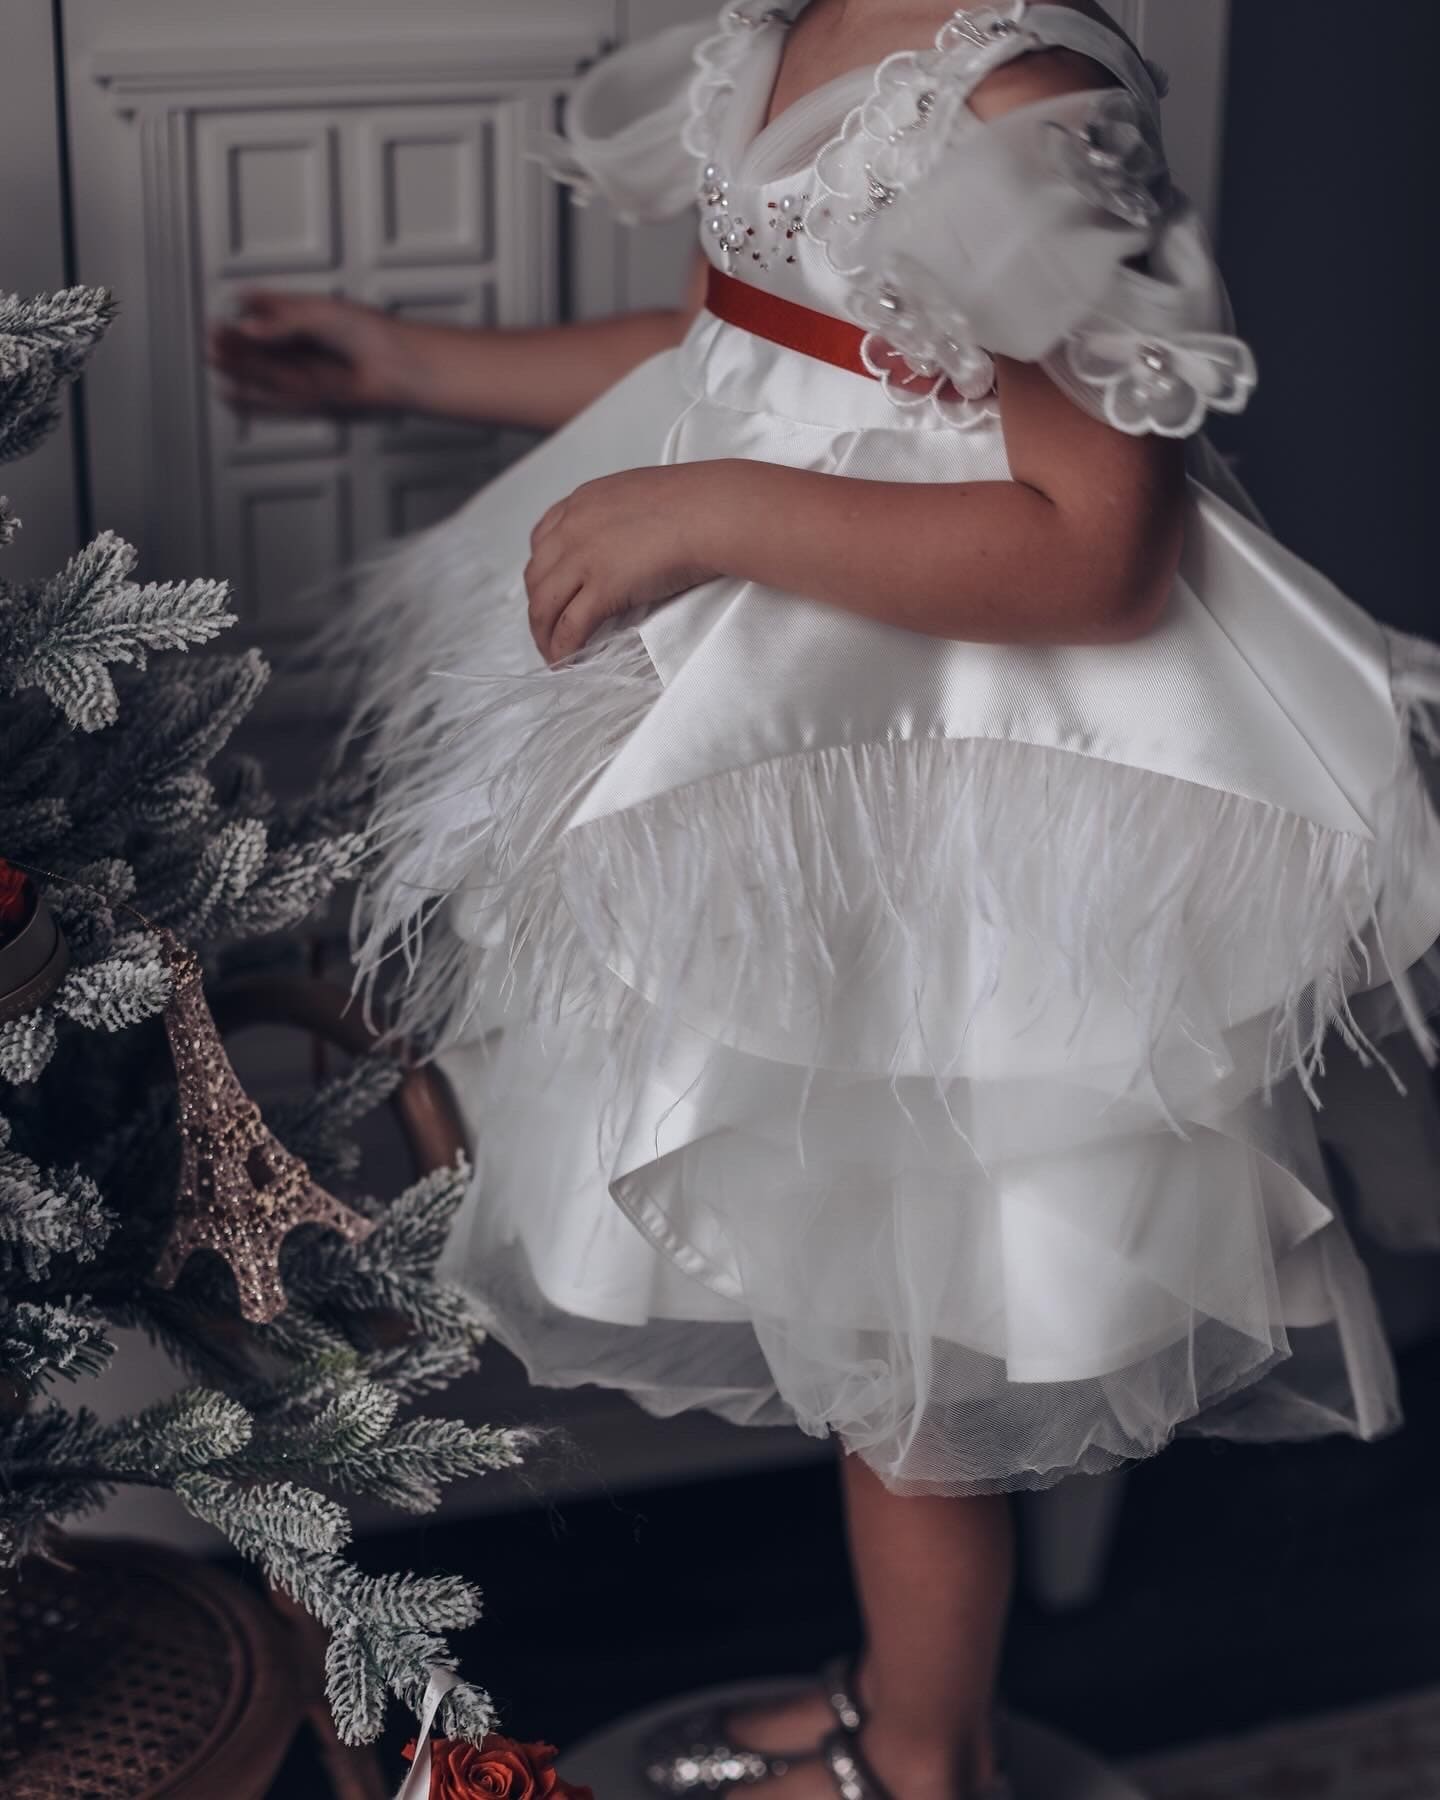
{"x":14,"y":895}
{"x":498,"y":1769}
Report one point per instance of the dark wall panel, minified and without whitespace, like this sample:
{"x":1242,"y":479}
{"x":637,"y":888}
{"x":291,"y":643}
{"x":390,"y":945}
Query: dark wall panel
{"x":1328,"y":226}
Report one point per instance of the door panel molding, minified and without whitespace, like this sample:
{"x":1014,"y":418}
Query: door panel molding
{"x":43,"y":486}
{"x":302,"y":168}
{"x":1191,"y":42}
{"x":496,"y":52}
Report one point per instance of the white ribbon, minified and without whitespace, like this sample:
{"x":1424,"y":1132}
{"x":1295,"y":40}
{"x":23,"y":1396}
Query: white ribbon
{"x":416,"y":1785}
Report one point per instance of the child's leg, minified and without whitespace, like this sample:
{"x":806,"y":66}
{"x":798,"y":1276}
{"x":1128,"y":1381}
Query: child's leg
{"x":934,"y":1579}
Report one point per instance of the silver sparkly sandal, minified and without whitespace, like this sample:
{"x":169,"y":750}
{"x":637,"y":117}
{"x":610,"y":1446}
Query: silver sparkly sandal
{"x":692,"y":1754}
{"x":855,"y":1780}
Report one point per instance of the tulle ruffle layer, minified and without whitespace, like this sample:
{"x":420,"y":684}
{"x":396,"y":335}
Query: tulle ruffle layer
{"x":901,"y":1090}
{"x":966,"y":1327}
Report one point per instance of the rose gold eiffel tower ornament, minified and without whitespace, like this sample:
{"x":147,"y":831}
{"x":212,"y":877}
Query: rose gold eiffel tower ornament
{"x":240,"y":1192}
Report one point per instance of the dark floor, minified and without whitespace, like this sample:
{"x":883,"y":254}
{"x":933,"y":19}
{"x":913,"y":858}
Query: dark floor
{"x":1249,"y":1583}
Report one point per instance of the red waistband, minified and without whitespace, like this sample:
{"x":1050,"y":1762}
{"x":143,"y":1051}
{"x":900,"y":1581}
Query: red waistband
{"x":786,"y":322}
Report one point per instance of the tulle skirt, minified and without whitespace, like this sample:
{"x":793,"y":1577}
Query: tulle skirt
{"x":943,"y":1087}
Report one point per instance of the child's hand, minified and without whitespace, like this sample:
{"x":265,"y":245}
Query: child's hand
{"x":306,"y":354}
{"x":628,"y":540}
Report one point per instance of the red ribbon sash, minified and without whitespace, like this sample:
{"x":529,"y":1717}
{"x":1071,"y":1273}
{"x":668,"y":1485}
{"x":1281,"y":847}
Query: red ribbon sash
{"x":786,"y":322}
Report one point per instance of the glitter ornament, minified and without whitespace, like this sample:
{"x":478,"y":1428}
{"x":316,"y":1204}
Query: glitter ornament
{"x":240,"y":1192}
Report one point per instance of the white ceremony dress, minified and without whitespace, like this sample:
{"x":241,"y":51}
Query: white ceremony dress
{"x":911,"y":1039}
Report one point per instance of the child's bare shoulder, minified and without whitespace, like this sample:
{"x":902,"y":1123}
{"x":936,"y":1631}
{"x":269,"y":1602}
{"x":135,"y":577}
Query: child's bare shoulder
{"x":1044,"y":74}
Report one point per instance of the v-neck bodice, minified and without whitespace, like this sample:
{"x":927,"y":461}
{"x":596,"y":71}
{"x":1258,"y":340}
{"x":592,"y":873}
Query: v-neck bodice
{"x":1050,"y":234}
{"x":764,"y":149}
{"x":760,"y":173}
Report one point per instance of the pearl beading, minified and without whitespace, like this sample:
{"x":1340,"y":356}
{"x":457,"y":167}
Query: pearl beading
{"x":735,"y":235}
{"x":741,"y":240}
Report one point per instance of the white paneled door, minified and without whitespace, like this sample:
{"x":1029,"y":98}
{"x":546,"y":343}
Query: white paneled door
{"x":319,"y":148}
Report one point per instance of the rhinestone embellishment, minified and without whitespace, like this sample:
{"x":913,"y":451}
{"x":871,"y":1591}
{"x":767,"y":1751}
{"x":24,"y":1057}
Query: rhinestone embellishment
{"x":748,"y":20}
{"x":848,"y":1776}
{"x":692,"y":1757}
{"x":879,"y":194}
{"x":924,"y":112}
{"x":845,"y":1710}
{"x":980,"y":34}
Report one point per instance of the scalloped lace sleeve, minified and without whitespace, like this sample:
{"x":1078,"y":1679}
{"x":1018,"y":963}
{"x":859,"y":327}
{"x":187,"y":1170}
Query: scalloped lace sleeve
{"x":625,"y":129}
{"x":1051,"y":234}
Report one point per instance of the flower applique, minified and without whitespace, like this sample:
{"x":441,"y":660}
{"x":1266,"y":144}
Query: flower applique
{"x":717,"y":62}
{"x":917,"y":344}
{"x":893,"y":140}
{"x":921,"y":349}
{"x":1113,"y":162}
{"x":1163,"y":384}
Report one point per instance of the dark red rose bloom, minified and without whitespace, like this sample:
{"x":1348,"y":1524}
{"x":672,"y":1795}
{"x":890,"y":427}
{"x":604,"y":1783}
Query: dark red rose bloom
{"x":14,"y":896}
{"x":498,"y":1769}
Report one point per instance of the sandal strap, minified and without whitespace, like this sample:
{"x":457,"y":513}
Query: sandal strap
{"x":853,"y":1777}
{"x":840,"y":1679}
{"x":693,"y":1754}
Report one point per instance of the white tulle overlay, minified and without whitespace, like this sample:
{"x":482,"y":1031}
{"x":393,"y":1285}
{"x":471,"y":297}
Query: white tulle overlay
{"x":910,"y":1039}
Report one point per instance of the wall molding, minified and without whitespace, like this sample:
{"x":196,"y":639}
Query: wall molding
{"x":168,"y":95}
{"x":1191,"y":42}
{"x":43,"y":487}
{"x":499,"y":54}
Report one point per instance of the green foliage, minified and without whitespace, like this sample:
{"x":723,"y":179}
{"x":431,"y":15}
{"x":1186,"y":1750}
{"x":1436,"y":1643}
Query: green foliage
{"x":66,"y":633}
{"x":43,"y":345}
{"x":41,"y":1344}
{"x":45,"y":1214}
{"x":118,"y":778}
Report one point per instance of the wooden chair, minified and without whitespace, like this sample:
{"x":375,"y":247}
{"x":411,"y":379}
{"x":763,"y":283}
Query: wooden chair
{"x":140,"y":1672}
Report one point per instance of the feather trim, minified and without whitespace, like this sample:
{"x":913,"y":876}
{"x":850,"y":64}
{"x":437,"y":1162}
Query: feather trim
{"x":764,"y":905}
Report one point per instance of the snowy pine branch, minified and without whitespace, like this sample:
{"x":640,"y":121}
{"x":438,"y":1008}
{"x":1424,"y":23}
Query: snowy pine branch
{"x":64,"y":636}
{"x":414,"y":1464}
{"x":319,"y":1127}
{"x":248,"y":1513}
{"x":393,"y":1270}
{"x":26,"y":1046}
{"x":45,"y":1214}
{"x":117,"y":993}
{"x":41,"y":1344}
{"x":190,"y":1430}
{"x":43,"y":345}
{"x":385,"y":1630}
{"x":61,"y":328}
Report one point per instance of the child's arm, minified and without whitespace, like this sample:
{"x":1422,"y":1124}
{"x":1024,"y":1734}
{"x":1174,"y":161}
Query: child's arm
{"x":1080,"y":548}
{"x":297,"y":354}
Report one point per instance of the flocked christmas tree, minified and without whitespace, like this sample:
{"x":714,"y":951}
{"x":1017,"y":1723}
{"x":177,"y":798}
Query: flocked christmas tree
{"x":116,"y":781}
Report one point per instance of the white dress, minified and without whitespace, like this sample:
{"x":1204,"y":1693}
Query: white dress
{"x":910,"y":1039}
